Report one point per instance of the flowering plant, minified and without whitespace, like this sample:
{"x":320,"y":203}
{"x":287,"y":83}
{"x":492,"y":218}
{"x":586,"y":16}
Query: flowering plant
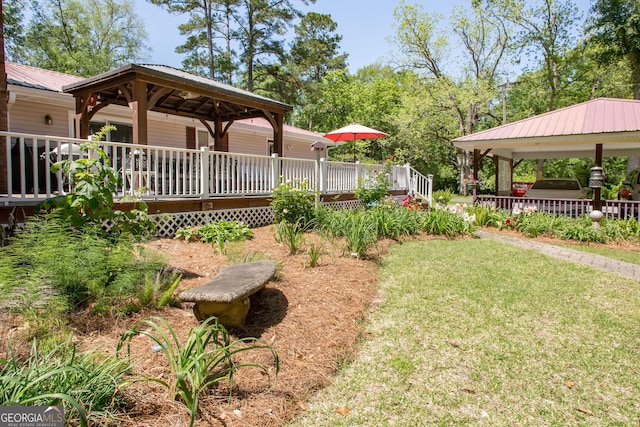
{"x":411,"y":203}
{"x":511,"y":223}
{"x":293,"y":202}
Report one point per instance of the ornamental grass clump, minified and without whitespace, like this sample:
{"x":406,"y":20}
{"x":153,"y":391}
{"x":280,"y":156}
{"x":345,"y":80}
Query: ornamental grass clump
{"x":87,"y":384}
{"x":52,"y":264}
{"x":205,"y":359}
{"x":291,"y":235}
{"x":441,"y":222}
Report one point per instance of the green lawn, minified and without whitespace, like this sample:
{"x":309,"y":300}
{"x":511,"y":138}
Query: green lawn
{"x":476,"y":332}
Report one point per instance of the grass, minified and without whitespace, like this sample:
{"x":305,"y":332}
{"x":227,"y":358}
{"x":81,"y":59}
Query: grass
{"x":625,"y":255}
{"x":460,"y":339}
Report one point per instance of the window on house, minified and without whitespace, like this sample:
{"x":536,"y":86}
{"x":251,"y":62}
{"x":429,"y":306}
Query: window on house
{"x":123,"y":132}
{"x":203,"y":138}
{"x":271,"y":148}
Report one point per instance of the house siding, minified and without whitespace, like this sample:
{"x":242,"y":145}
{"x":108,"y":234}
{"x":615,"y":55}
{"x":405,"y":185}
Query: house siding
{"x":28,"y":117}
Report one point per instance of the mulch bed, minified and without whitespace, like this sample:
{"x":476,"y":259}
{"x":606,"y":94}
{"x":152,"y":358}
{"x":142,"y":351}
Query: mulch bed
{"x":310,"y":316}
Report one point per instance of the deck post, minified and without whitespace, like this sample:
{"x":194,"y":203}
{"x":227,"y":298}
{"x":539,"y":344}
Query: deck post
{"x":275,"y":170}
{"x":323,"y":179}
{"x":204,"y":173}
{"x":358,"y":173}
{"x":411,"y":190}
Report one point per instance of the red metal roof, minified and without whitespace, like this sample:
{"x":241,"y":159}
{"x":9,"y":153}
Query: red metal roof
{"x":601,"y":115}
{"x":38,"y":78}
{"x":264,"y":123}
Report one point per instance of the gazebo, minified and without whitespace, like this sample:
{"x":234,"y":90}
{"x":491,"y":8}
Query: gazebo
{"x":167,"y":90}
{"x":596,"y":128}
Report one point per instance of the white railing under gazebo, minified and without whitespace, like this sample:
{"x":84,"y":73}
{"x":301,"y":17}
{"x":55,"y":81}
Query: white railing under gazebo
{"x":162,"y":173}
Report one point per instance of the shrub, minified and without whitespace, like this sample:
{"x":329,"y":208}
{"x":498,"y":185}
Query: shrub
{"x":443,"y":196}
{"x":373,"y":191}
{"x":205,"y":359}
{"x":293,"y":202}
{"x":90,"y":202}
{"x":218,"y":233}
{"x":87,"y":383}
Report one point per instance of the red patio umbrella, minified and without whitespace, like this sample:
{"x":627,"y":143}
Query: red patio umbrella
{"x":353,"y":132}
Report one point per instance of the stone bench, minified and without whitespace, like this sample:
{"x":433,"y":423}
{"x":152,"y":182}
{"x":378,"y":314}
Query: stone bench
{"x":226,"y":296}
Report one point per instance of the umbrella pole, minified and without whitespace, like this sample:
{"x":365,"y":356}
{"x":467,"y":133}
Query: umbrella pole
{"x":355,"y":159}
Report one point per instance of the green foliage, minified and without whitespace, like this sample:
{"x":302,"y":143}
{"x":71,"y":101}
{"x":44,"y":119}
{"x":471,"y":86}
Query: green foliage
{"x":359,"y":233}
{"x":186,"y":233}
{"x":84,"y":38}
{"x":87,"y":383}
{"x":78,"y":267}
{"x":158,"y":290}
{"x":221,"y":232}
{"x":486,"y":216}
{"x":314,"y":253}
{"x":579,"y":229}
{"x":293,"y":202}
{"x":446,"y":196}
{"x":441,"y":222}
{"x":291,"y":235}
{"x":205,"y":359}
{"x":90,"y":202}
{"x":373,"y":191}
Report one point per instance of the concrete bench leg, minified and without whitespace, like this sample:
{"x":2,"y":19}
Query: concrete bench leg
{"x":230,"y":314}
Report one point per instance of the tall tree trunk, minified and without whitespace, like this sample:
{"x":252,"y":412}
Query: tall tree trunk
{"x":4,"y":125}
{"x":212,"y":66}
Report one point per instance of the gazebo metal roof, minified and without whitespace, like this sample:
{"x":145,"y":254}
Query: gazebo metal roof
{"x":144,"y":87}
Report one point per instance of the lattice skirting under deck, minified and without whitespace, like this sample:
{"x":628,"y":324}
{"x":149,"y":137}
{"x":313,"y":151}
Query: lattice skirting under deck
{"x":168,"y":224}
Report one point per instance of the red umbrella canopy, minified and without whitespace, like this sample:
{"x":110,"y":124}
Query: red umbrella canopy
{"x":352,"y":132}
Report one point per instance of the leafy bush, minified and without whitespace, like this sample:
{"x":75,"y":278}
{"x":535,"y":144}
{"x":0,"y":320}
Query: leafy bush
{"x":443,"y":196}
{"x":373,"y":191}
{"x":86,"y":383}
{"x":205,"y":359}
{"x":90,"y":202}
{"x":221,"y":232}
{"x":293,"y":202}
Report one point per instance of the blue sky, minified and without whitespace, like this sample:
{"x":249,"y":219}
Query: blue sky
{"x":366,"y":26}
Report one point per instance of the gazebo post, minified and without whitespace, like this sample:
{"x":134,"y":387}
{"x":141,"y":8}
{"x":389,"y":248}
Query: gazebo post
{"x":139,"y":112}
{"x":597,"y":202}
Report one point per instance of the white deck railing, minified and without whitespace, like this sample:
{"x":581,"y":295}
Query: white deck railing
{"x":157,"y":173}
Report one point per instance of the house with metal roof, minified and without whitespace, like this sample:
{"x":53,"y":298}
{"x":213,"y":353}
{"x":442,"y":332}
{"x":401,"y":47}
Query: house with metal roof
{"x":193,"y":148}
{"x":42,"y":102}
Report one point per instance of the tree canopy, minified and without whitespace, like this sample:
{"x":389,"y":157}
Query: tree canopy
{"x":83,"y":37}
